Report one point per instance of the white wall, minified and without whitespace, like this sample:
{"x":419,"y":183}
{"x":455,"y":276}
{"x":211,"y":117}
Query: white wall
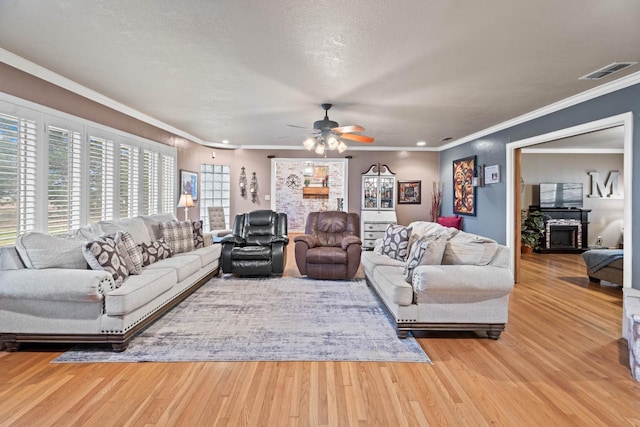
{"x":606,"y":217}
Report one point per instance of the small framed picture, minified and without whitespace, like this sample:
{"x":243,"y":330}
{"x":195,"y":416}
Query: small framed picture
{"x":492,"y":174}
{"x":409,"y":192}
{"x":189,"y":184}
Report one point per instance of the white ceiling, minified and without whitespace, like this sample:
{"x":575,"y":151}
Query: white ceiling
{"x":407,"y":71}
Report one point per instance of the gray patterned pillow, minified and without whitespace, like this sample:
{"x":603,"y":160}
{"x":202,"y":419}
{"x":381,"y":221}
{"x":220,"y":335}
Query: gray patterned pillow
{"x":198,"y":236}
{"x":413,"y":259}
{"x":154,"y":251}
{"x":395,"y":242}
{"x":130,"y":251}
{"x":104,"y":255}
{"x":178,"y":234}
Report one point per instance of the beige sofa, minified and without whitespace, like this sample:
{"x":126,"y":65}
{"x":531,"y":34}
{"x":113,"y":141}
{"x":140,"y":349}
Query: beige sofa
{"x":468,"y":290}
{"x":59,"y":299}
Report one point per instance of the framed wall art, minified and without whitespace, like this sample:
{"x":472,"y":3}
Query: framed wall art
{"x":492,"y":174}
{"x":409,"y":192}
{"x":464,"y":193}
{"x":189,"y":183}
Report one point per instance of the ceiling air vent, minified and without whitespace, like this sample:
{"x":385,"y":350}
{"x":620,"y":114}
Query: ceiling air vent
{"x":609,"y":69}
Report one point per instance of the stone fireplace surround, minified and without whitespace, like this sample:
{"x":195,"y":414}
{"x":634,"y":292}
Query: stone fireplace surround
{"x":557,"y":226}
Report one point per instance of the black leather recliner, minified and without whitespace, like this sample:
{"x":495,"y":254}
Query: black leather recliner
{"x":257,"y":244}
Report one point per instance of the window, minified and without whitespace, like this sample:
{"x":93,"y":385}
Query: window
{"x":59,"y":172}
{"x":128,"y":181}
{"x":168,"y":202}
{"x":101,"y":179}
{"x":64,"y":180}
{"x":17,"y":177}
{"x":214,"y":191}
{"x":150,"y":182}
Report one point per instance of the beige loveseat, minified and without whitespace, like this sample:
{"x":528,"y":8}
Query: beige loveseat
{"x":48,"y":294}
{"x":462,"y":282}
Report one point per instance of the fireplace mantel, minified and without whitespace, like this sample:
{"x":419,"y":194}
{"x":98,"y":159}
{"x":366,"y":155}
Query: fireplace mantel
{"x":567,"y":221}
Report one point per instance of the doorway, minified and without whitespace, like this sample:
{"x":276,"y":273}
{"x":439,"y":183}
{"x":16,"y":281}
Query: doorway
{"x":513,"y":169}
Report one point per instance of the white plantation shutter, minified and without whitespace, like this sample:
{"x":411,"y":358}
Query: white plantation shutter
{"x":59,"y":172}
{"x":64,"y":181}
{"x":150,"y":182}
{"x":101,"y":179}
{"x":17,"y":177}
{"x":168,"y":203}
{"x":129,"y":181}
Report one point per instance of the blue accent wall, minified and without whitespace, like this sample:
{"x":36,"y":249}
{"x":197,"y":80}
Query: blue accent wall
{"x":491,"y":150}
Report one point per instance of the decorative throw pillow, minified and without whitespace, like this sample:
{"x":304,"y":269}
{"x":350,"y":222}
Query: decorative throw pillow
{"x":154,"y":251}
{"x":178,"y":234}
{"x":198,"y":236}
{"x":104,"y":255}
{"x":130,"y":250}
{"x":435,"y":252}
{"x":427,"y":250}
{"x":454,"y":221}
{"x":123,"y":251}
{"x":377,"y":248}
{"x":395,"y":242}
{"x":415,"y":255}
{"x":41,"y":250}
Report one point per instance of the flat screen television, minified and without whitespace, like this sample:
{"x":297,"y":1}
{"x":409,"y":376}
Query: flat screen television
{"x":560,"y":195}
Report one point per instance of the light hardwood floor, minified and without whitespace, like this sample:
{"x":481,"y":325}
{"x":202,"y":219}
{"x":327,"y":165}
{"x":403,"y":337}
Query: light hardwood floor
{"x":559,"y":362}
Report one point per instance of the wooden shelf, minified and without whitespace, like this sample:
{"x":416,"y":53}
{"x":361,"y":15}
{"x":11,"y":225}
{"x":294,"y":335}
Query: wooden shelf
{"x":315,"y":192}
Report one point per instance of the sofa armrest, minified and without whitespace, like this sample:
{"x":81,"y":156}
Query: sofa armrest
{"x":462,"y":278}
{"x":310,"y":240}
{"x":59,"y":284}
{"x":283,"y":238}
{"x":350,"y":240}
{"x":233,"y":239}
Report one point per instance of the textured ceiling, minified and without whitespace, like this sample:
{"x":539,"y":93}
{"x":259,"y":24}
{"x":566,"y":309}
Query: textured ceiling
{"x":407,"y":71}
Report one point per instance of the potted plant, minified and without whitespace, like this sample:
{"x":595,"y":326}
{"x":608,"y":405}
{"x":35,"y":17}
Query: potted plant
{"x":532,"y":229}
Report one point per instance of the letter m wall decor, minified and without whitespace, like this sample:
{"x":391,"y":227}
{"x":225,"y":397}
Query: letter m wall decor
{"x":609,"y":189}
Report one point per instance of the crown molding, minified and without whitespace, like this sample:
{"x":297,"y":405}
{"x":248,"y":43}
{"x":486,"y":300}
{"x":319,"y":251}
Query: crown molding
{"x":36,"y":70}
{"x":573,"y":151}
{"x":587,"y":95}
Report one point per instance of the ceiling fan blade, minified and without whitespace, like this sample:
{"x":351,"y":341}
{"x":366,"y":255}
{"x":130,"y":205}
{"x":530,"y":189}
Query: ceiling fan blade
{"x":301,"y":127}
{"x":359,"y":138}
{"x":348,"y":129}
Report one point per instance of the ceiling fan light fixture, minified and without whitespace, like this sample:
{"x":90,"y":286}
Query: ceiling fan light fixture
{"x":341,"y":147}
{"x":320,"y":148}
{"x":332,"y":142}
{"x":309,"y":143}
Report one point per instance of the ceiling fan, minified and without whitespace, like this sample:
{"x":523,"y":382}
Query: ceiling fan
{"x":330,"y":134}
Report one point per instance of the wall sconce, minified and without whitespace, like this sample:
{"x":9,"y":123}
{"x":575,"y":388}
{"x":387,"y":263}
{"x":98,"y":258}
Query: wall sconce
{"x":478,"y":180}
{"x":186,"y":202}
{"x":243,"y":182}
{"x":253,"y":188}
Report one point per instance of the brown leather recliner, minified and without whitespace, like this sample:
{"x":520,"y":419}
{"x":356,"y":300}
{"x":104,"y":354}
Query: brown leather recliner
{"x":330,"y":248}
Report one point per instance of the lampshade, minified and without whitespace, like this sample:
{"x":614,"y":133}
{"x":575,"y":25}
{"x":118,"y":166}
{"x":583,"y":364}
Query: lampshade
{"x":186,"y":201}
{"x":342,"y":147}
{"x":309,"y":143}
{"x":324,"y":142}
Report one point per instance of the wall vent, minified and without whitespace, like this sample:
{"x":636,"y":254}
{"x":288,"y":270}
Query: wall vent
{"x":609,"y":69}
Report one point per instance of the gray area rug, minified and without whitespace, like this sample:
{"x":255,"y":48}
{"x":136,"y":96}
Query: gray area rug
{"x":267,"y":319}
